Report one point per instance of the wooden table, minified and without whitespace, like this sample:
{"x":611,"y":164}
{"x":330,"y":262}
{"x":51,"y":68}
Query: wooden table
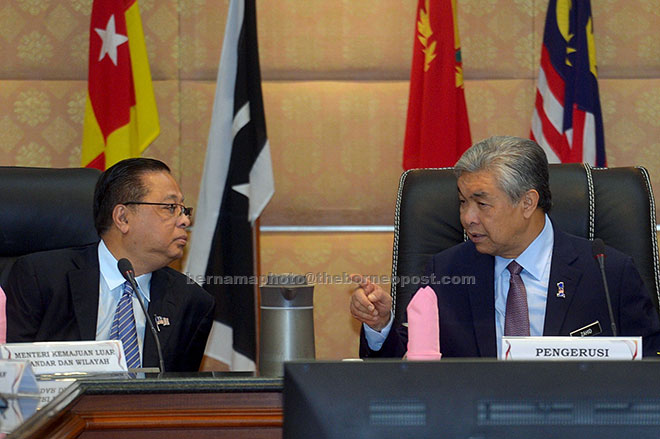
{"x":174,"y":406}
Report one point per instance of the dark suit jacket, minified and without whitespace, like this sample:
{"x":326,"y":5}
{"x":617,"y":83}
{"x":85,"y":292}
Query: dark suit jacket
{"x":54,"y":296}
{"x":467,"y":312}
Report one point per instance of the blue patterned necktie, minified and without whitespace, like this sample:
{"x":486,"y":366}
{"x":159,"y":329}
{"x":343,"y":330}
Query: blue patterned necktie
{"x":123,"y":328}
{"x":516,"y":319}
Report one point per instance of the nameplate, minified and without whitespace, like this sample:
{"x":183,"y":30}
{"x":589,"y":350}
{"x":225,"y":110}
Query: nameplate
{"x":17,"y":377}
{"x":572,"y":348}
{"x":18,"y":387}
{"x":69,"y":357}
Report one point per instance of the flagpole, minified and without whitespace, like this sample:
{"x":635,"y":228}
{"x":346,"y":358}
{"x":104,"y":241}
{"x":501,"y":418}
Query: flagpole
{"x":256,"y":257}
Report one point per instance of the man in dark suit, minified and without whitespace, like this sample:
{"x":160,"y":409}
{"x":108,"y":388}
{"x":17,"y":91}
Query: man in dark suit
{"x":79,"y":293}
{"x":525,"y":277}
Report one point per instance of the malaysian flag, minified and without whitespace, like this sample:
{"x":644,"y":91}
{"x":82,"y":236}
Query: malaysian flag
{"x":567,"y":120}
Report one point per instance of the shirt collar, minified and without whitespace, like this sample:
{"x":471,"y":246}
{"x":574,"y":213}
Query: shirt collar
{"x":113,"y":278}
{"x":534,"y":258}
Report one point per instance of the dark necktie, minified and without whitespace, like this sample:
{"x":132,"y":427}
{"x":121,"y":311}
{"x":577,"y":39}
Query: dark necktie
{"x":123,"y":328}
{"x":516,"y":319}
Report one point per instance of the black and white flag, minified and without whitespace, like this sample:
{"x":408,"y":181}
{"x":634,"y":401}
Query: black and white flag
{"x":237,"y":184}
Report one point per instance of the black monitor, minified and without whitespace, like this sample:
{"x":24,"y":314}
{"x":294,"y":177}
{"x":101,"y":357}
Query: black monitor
{"x":471,"y":399}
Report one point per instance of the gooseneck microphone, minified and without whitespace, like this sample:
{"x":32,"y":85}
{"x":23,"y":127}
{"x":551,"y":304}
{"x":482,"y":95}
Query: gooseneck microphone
{"x":598,"y":249}
{"x":126,"y":269}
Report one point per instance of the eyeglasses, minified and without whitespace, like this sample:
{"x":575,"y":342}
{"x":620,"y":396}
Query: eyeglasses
{"x":170,"y":207}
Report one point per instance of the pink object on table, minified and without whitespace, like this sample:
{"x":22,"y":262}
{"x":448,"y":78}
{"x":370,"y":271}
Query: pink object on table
{"x":3,"y":317}
{"x":423,"y":326}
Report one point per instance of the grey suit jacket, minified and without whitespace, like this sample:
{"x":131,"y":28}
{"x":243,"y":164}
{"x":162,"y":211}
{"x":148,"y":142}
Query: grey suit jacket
{"x":467,"y":311}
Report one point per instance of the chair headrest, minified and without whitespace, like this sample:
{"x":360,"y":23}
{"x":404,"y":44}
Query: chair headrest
{"x":45,"y":209}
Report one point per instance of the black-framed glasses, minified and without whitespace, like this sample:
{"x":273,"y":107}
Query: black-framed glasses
{"x":171,"y":207}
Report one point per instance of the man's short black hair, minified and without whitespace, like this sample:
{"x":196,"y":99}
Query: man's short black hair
{"x":120,"y":183}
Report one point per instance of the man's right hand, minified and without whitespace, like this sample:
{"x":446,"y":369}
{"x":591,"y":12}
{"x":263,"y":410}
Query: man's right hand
{"x":370,"y":304}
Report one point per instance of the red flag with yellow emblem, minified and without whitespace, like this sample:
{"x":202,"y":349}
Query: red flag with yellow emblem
{"x":121,"y":118}
{"x":437,"y":130}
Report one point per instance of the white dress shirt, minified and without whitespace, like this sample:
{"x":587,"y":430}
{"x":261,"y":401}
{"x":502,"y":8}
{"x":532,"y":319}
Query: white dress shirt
{"x":111,"y":288}
{"x":535,"y":261}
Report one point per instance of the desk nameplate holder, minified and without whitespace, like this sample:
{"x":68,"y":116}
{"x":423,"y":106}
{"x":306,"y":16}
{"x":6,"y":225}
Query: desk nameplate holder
{"x":19,"y":394}
{"x":571,"y":348}
{"x":58,"y":363}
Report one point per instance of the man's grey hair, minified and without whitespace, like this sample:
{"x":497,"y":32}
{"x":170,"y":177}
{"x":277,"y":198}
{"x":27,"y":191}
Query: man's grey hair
{"x":517,"y":164}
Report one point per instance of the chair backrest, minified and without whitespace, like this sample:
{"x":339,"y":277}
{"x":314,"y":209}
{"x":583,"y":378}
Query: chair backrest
{"x":614,"y":204}
{"x":44,"y":209}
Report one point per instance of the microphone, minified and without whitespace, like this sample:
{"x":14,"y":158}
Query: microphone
{"x":126,"y":269}
{"x":598,"y":249}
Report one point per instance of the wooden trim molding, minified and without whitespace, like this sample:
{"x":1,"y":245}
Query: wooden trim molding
{"x":139,"y":409}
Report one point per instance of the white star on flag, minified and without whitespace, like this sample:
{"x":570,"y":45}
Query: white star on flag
{"x":111,"y":39}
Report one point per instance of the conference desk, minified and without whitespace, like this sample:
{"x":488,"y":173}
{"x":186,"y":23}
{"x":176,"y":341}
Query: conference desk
{"x":480,"y":398}
{"x":204,"y":405}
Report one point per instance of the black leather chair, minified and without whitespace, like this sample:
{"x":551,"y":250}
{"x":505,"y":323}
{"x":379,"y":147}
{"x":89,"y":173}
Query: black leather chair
{"x":614,"y":204}
{"x":44,"y":209}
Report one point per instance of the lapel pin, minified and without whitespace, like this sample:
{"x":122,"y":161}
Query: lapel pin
{"x":560,"y":290}
{"x":162,"y":321}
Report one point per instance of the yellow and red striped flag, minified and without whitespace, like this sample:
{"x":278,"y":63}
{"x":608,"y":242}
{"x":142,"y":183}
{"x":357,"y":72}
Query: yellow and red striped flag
{"x":121,"y":118}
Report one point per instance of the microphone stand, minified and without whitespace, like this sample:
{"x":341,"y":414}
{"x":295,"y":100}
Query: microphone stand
{"x":601,"y":263}
{"x":136,"y":288}
{"x":126,"y":269}
{"x":598,"y":249}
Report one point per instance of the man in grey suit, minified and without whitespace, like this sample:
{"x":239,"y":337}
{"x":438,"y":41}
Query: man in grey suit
{"x":530,"y":278}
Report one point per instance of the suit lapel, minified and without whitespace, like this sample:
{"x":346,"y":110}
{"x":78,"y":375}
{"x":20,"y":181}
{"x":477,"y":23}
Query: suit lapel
{"x":482,"y":302}
{"x":84,"y":288}
{"x":562,"y":270}
{"x":161,"y":303}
